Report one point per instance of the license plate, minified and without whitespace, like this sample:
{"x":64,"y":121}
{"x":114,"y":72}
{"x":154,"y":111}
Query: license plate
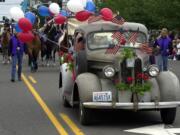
{"x":130,"y":62}
{"x":105,"y":96}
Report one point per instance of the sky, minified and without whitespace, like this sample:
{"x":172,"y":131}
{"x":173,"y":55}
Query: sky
{"x":6,"y":6}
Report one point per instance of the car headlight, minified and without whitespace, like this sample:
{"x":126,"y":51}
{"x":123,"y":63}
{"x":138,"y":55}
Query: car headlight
{"x":153,"y":71}
{"x":109,"y":71}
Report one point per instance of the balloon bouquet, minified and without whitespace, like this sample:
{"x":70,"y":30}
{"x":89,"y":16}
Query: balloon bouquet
{"x":82,"y":9}
{"x":24,"y":23}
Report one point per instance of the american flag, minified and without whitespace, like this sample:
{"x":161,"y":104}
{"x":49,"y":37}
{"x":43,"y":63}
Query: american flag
{"x":118,"y":20}
{"x":118,"y":35}
{"x":113,"y":50}
{"x":133,"y":37}
{"x":145,"y":48}
{"x":94,"y":18}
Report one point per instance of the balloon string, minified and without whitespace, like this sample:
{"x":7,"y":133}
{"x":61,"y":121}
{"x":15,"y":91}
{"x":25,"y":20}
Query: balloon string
{"x":55,"y":43}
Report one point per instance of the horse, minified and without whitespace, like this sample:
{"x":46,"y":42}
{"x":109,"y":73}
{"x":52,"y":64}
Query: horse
{"x":33,"y":49}
{"x":51,"y":34}
{"x":5,"y":39}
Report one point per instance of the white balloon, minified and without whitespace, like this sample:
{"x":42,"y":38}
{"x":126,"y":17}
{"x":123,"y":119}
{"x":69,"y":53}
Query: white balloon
{"x":75,"y":6}
{"x":83,"y":2}
{"x":16,"y":13}
{"x":54,"y":8}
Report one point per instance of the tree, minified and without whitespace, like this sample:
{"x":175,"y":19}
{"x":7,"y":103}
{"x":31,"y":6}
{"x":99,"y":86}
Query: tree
{"x":154,"y":14}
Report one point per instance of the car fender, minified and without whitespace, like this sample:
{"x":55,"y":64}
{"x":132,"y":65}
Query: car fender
{"x":169,"y":86}
{"x":67,"y":81}
{"x":155,"y":90}
{"x":87,"y":83}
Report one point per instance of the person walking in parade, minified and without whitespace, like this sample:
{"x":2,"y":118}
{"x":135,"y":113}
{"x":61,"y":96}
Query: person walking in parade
{"x":16,"y":49}
{"x":162,"y":46}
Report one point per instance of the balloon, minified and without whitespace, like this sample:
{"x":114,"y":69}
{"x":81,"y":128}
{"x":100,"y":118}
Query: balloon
{"x":90,"y":6}
{"x":75,"y":6}
{"x":25,"y":36}
{"x":31,"y":17}
{"x":54,"y":8}
{"x":107,"y":14}
{"x":83,"y":2}
{"x":17,"y":28}
{"x":25,"y":24}
{"x":83,"y":15}
{"x":16,"y":13}
{"x":59,"y":19}
{"x":43,"y":11}
{"x":64,"y":13}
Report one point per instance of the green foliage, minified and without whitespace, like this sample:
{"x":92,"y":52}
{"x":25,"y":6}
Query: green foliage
{"x":152,"y":13}
{"x":127,"y":53}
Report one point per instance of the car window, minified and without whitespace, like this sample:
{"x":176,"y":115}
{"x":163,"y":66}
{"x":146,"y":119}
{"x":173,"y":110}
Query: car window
{"x":105,"y":39}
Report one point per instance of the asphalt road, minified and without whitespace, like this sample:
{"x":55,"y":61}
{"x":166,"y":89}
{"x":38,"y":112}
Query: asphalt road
{"x":33,"y":107}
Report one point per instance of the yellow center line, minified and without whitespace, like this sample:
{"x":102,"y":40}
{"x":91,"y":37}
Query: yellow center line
{"x":32,"y":79}
{"x":48,"y":112}
{"x":71,"y":124}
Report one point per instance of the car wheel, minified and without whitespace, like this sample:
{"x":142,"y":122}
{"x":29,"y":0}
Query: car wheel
{"x":84,"y":115}
{"x":65,"y":102}
{"x":168,"y":115}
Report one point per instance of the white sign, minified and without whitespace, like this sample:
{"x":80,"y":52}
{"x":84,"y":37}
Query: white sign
{"x":155,"y":130}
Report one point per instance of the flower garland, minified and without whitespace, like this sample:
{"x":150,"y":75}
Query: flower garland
{"x":138,"y":87}
{"x":67,"y":58}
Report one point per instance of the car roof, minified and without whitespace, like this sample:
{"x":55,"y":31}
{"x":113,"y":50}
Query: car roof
{"x":109,"y":26}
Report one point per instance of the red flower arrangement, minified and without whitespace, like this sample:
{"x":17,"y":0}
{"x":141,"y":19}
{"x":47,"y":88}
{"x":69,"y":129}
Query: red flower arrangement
{"x":130,"y":80}
{"x":135,"y":87}
{"x":143,"y":76}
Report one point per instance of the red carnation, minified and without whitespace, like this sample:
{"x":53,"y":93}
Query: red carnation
{"x":69,"y":57}
{"x":140,"y":76}
{"x":145,"y":77}
{"x":61,"y":53}
{"x":130,"y":80}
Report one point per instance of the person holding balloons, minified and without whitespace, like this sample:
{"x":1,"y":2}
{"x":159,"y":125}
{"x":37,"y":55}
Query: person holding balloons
{"x":16,"y":49}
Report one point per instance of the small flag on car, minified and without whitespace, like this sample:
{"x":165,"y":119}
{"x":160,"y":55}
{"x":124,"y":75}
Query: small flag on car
{"x":113,"y":50}
{"x":119,"y":36}
{"x":118,"y":20}
{"x":145,"y":48}
{"x":133,"y":37}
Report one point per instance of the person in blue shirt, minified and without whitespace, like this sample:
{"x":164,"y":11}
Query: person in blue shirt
{"x":16,"y":50}
{"x":163,"y":45}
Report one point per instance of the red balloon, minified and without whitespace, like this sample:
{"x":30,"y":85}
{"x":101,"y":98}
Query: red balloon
{"x":83,"y":15}
{"x":25,"y":36}
{"x":59,"y":19}
{"x":25,"y":24}
{"x":107,"y":14}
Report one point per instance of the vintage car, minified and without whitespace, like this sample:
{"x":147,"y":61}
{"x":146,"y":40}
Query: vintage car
{"x":97,"y":71}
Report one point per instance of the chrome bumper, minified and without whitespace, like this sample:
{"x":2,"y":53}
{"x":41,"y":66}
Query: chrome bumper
{"x":130,"y":106}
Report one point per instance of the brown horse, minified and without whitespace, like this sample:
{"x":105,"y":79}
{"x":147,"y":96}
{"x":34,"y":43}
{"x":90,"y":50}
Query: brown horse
{"x":34,"y":48}
{"x":5,"y":44}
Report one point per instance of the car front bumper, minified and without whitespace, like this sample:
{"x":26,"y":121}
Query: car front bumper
{"x":130,"y":106}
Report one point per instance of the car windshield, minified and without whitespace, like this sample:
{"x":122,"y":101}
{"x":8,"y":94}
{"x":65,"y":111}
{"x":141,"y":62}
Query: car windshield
{"x":102,"y":40}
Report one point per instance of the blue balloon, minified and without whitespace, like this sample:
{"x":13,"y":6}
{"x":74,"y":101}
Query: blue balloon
{"x":31,"y":17}
{"x":17,"y":28}
{"x":43,"y":11}
{"x":90,"y":6}
{"x":64,"y":13}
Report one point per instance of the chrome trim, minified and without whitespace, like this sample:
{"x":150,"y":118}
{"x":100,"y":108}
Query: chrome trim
{"x":130,"y":106}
